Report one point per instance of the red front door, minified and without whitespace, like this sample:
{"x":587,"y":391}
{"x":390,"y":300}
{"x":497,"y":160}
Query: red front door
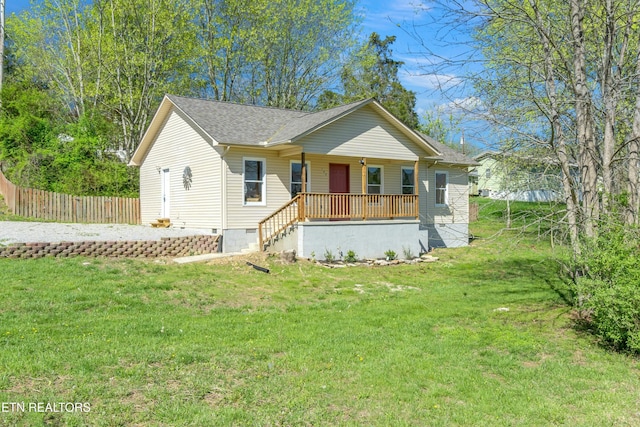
{"x":338,"y":178}
{"x":339,"y":183}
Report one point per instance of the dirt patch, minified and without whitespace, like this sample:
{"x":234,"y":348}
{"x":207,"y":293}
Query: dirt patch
{"x":259,"y":258}
{"x":213,"y":398}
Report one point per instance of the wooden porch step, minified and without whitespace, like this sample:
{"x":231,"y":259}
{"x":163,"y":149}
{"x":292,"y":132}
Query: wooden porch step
{"x":161,"y":223}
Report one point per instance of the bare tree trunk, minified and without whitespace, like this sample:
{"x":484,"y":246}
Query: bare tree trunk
{"x":633,"y":170}
{"x":557,"y":140}
{"x":588,"y":155}
{"x":616,"y":45}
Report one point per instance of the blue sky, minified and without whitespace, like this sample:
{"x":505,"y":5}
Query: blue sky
{"x":389,"y":17}
{"x":436,"y":84}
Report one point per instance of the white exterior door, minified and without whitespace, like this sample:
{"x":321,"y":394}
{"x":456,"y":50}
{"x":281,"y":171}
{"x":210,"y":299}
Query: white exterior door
{"x":166,"y":192}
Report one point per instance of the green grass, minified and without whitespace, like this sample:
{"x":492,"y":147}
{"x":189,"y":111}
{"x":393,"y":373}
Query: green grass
{"x":148,"y":343}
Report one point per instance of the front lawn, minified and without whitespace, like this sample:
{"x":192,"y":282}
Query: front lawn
{"x":482,"y":337}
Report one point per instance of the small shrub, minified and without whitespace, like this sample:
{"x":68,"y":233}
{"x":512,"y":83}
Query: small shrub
{"x":391,"y":255}
{"x":615,"y":310}
{"x":328,"y":256}
{"x":351,"y":256}
{"x":407,"y":253}
{"x":606,"y":291}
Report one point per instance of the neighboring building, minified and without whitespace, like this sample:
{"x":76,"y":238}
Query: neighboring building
{"x":372,"y":184}
{"x":518,"y":177}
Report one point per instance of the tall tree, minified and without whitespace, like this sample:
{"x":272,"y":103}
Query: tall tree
{"x":280,"y":53}
{"x":145,"y":51}
{"x":374,"y":74}
{"x":563,"y":75}
{"x":111,"y":57}
{"x":113,"y":60}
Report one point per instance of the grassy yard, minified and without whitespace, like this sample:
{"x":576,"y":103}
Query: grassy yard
{"x":482,"y":337}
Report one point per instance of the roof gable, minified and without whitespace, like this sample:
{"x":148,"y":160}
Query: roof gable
{"x":227,"y":123}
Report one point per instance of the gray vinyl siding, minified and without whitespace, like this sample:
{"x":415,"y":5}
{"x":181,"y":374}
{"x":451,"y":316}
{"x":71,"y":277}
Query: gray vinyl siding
{"x":178,"y":145}
{"x":363,"y":131}
{"x":457,"y":209}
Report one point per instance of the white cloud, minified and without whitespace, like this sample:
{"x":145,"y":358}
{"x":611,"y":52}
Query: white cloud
{"x":469,"y":103}
{"x":391,"y":13}
{"x":416,"y":80}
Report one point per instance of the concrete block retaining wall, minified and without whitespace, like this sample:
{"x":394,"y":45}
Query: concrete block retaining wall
{"x":166,"y":247}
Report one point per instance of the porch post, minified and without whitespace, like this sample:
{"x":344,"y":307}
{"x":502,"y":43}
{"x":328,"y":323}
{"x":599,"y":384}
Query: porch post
{"x":416,"y":189}
{"x":363,"y":162}
{"x":301,"y":208}
{"x":304,"y":172}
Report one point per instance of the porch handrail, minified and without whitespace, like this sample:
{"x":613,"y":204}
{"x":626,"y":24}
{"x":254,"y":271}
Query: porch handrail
{"x":359,"y":206}
{"x":280,"y":220}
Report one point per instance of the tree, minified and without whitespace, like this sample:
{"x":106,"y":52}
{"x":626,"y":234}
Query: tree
{"x":111,"y":57}
{"x":564,"y":76}
{"x":561,"y":76}
{"x":280,"y":53}
{"x":374,"y":74}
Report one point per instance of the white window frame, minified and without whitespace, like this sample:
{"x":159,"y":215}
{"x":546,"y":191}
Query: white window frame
{"x":381,"y":178}
{"x":413,"y":184}
{"x":291,"y":182}
{"x":263,"y":197}
{"x":446,"y":187}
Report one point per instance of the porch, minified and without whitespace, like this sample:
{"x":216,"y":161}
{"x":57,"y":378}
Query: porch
{"x":340,"y":209}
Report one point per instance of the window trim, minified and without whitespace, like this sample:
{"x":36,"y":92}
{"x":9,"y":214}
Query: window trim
{"x":381,"y":178}
{"x":263,"y":202}
{"x":308,"y":163}
{"x":413,"y":184}
{"x":446,"y":188}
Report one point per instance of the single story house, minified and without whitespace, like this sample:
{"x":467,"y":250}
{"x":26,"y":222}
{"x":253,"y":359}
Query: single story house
{"x":516,"y":176}
{"x":352,"y":177}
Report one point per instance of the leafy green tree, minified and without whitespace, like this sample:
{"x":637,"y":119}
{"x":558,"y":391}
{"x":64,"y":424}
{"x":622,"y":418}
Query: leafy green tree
{"x":374,"y":74}
{"x":441,"y":126}
{"x":103,"y":67}
{"x":115,"y":57}
{"x":563,"y":76}
{"x":280,"y":53}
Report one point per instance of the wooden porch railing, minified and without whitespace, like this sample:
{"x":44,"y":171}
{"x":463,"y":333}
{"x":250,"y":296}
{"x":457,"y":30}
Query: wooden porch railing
{"x":333,"y":206}
{"x":359,"y":206}
{"x":270,"y":227}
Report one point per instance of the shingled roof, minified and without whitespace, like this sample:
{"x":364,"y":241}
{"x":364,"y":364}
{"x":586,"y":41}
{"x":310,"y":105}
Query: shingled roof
{"x":449,"y":155}
{"x":229,"y":123}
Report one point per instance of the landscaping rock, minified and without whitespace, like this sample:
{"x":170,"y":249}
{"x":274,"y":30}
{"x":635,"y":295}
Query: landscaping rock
{"x":288,"y":256}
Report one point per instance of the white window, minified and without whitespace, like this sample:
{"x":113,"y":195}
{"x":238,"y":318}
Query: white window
{"x":487,"y":173}
{"x":374,"y":180}
{"x":442,"y":195}
{"x":254,"y":178}
{"x":408,"y":180}
{"x":296,"y":177}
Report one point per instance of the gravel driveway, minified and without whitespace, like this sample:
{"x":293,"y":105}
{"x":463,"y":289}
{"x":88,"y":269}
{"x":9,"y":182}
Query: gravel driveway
{"x":51,"y":232}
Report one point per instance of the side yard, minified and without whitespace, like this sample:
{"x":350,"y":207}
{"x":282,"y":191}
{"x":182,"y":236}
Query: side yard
{"x":482,"y":337}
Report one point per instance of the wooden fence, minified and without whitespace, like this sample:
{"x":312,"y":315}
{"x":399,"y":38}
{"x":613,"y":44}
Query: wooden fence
{"x":474,"y":210}
{"x":47,"y":205}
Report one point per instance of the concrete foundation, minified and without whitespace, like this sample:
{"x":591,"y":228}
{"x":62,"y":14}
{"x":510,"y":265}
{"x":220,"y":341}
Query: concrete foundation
{"x":448,"y":235}
{"x":234,"y":240}
{"x":368,"y":239}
